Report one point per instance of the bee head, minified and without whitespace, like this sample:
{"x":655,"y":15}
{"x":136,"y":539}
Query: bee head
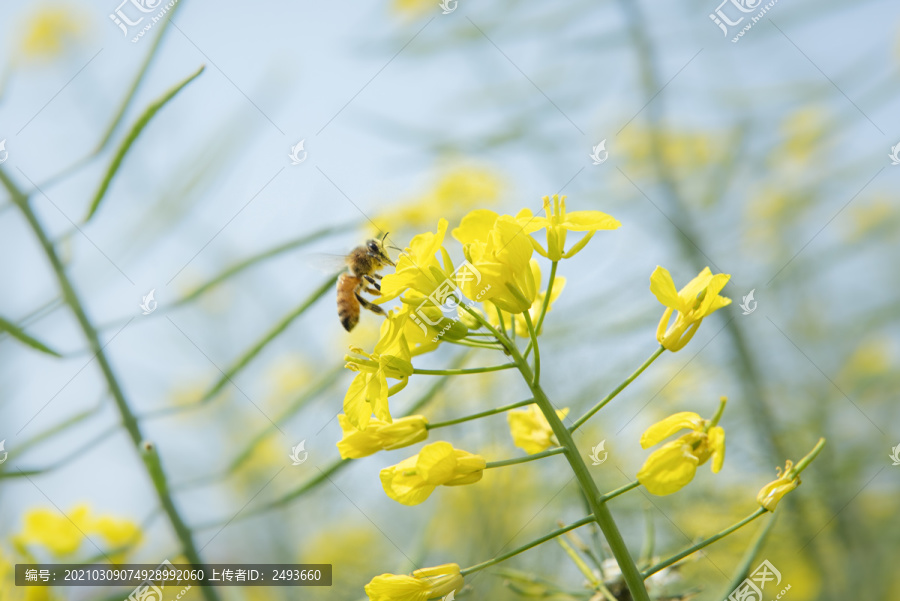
{"x":375,"y":249}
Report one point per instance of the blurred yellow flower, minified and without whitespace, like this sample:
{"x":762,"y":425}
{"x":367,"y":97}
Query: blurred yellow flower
{"x":770,"y":494}
{"x":534,"y":312}
{"x":380,"y":435}
{"x":866,"y":218}
{"x":500,"y":252}
{"x":51,"y":30}
{"x":680,"y":150}
{"x":456,"y":192}
{"x":558,"y":223}
{"x":412,"y":481}
{"x":695,"y":301}
{"x":63,"y":534}
{"x":427,"y":583}
{"x":672,"y":466}
{"x":804,"y":135}
{"x":530,"y":430}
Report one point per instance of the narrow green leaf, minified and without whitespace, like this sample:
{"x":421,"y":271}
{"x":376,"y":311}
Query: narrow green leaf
{"x":20,"y":335}
{"x":132,"y":136}
{"x":267,"y":254}
{"x":269,"y":336}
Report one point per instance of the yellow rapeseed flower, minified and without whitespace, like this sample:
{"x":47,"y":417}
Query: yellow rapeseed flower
{"x":63,"y":534}
{"x":423,"y":584}
{"x":369,"y":391}
{"x":534,"y":312}
{"x":673,"y":465}
{"x":558,"y":223}
{"x":380,"y":435}
{"x":412,"y":481}
{"x":500,"y":252}
{"x":693,"y":302}
{"x":770,"y":494}
{"x":50,"y":30}
{"x":530,"y":430}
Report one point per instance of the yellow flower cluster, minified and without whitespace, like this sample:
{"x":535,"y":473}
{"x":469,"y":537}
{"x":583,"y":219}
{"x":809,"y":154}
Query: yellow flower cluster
{"x":692,"y":303}
{"x":63,"y":534}
{"x":380,"y":436}
{"x":423,"y":584}
{"x":412,"y":481}
{"x":673,"y":465}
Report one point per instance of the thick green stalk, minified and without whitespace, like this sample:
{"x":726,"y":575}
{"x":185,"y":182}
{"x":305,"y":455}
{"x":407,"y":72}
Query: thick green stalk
{"x":602,"y":515}
{"x":129,"y":421}
{"x":596,"y":502}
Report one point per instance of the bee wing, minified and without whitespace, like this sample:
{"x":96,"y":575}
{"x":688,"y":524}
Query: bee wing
{"x":325,"y":262}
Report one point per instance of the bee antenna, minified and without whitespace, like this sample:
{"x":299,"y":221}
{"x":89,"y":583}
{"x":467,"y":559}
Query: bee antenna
{"x":395,"y":248}
{"x":383,"y":238}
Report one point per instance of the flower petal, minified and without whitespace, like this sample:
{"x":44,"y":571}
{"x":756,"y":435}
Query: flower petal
{"x":672,"y":424}
{"x":662,"y":286}
{"x":589,"y":221}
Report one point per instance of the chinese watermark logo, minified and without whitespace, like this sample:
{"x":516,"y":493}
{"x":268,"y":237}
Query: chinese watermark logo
{"x":748,"y":304}
{"x":751,"y":589}
{"x":148,"y":591}
{"x":148,"y":303}
{"x":5,"y":155}
{"x":595,"y":453}
{"x":295,"y":157}
{"x":140,"y":9}
{"x":734,"y":14}
{"x":895,"y":454}
{"x":895,"y":154}
{"x":448,"y":6}
{"x":4,"y":454}
{"x":599,"y":148}
{"x":448,"y":297}
{"x":298,"y":453}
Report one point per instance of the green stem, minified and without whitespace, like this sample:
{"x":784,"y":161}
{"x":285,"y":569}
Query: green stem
{"x":596,"y":502}
{"x":547,"y":296}
{"x":617,"y":390}
{"x":704,"y":543}
{"x":474,"y":344}
{"x":525,"y":459}
{"x":803,"y":463}
{"x":621,"y":490}
{"x":460,"y":372}
{"x":500,"y":558}
{"x":460,"y":420}
{"x":581,"y":565}
{"x":129,"y":421}
{"x":744,"y":569}
{"x":537,"y":350}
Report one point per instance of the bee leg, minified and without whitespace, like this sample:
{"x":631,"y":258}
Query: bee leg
{"x":377,"y":276}
{"x":370,"y":306}
{"x":374,"y":283}
{"x":374,"y":292}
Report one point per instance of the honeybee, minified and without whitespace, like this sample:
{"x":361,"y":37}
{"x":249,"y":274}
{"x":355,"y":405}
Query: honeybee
{"x":363,"y":264}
